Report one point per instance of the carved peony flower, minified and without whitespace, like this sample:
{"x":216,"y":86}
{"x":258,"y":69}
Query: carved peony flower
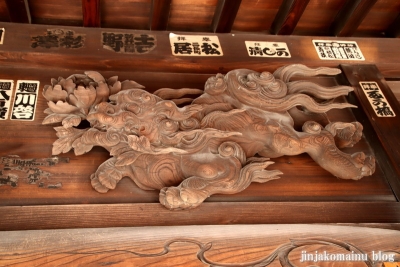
{"x":78,"y":94}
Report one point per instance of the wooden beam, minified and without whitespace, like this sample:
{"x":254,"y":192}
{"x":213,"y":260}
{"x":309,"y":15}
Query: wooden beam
{"x":19,"y":11}
{"x":383,"y":52}
{"x":153,"y":214}
{"x":350,"y":17}
{"x":394,"y":28}
{"x":160,"y":11}
{"x":91,"y":13}
{"x":288,"y":16}
{"x":224,"y":16}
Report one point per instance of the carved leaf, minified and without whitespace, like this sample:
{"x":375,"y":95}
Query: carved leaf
{"x":81,"y":148}
{"x":48,"y":111}
{"x":66,"y":137}
{"x":54,"y":118}
{"x":71,"y":120}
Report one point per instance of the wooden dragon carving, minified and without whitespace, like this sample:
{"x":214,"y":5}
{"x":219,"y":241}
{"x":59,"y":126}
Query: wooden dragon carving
{"x":219,"y":143}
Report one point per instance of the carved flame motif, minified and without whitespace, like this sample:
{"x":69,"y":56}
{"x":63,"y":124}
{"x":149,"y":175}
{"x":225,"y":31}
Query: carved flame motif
{"x":218,"y":143}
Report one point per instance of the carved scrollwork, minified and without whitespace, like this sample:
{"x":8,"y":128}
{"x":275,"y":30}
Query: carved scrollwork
{"x":349,"y":253}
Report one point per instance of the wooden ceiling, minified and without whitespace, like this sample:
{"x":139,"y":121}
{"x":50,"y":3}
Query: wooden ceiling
{"x":361,"y":18}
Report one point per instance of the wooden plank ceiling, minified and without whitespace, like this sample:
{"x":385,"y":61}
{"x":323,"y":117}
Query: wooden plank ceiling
{"x":361,"y":18}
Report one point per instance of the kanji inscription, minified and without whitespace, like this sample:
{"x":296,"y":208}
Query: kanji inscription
{"x":6,"y":87}
{"x":195,"y":45}
{"x":128,"y":42}
{"x":25,"y":100}
{"x":338,"y":50}
{"x":377,"y":100}
{"x":267,"y":49}
{"x":55,"y":38}
{"x":13,"y":168}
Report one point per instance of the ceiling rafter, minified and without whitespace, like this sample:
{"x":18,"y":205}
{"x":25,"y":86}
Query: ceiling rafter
{"x":225,"y":14}
{"x":350,"y":17}
{"x":288,"y":16}
{"x":91,"y":13}
{"x":19,"y":11}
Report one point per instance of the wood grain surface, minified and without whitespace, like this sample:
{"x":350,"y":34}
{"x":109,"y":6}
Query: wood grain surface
{"x":57,"y":12}
{"x":246,"y":245}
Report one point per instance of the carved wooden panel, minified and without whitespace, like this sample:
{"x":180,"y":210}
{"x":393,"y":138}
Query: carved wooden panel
{"x":305,"y":190}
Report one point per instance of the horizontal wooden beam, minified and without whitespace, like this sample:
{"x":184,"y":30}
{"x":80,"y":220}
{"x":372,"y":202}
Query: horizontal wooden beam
{"x":350,"y":17}
{"x":160,"y":10}
{"x":225,"y":14}
{"x":288,"y":16}
{"x":124,"y":215}
{"x":382,"y":52}
{"x":91,"y":13}
{"x":18,"y":11}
